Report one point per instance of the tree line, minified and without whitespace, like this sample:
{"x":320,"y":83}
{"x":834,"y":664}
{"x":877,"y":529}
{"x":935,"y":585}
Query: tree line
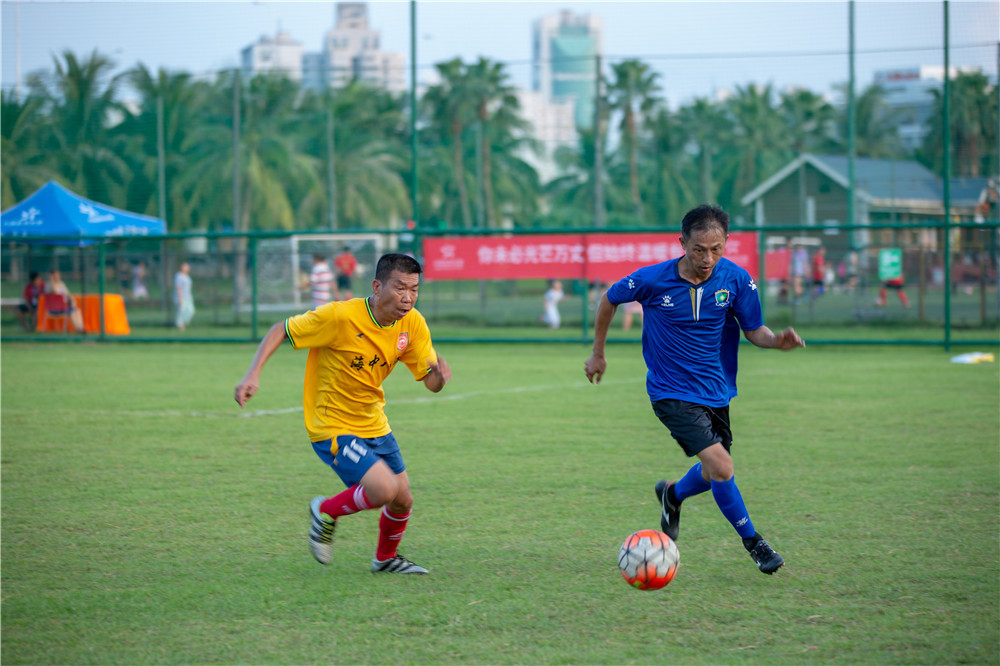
{"x":302,"y":159}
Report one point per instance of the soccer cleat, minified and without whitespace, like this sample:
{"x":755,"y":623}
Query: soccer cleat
{"x":321,"y":529}
{"x":397,"y":564}
{"x":670,"y":515}
{"x":763,"y":555}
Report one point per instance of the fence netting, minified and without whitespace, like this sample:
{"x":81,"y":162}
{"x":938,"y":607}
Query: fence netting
{"x":828,"y":283}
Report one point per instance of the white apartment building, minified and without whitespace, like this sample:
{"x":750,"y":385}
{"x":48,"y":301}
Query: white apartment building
{"x":351,"y":50}
{"x":553,"y":124}
{"x":909,"y":92}
{"x":279,"y":55}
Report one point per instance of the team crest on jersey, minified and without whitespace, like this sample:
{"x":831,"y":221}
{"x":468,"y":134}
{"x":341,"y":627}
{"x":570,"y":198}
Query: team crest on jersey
{"x":722,"y":298}
{"x":402,"y":341}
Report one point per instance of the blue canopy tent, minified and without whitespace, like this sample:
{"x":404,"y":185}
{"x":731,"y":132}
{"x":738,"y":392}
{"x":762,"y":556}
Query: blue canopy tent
{"x":54,"y":216}
{"x":54,"y":211}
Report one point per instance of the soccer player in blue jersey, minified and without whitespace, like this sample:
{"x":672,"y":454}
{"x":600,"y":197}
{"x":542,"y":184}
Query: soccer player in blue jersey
{"x":694,"y":308}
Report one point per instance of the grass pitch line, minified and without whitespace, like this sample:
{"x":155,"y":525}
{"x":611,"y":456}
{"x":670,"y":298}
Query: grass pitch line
{"x":457,"y":396}
{"x":291,"y":410}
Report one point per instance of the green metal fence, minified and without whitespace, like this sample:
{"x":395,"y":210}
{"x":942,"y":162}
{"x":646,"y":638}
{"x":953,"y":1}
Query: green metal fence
{"x":244,"y":283}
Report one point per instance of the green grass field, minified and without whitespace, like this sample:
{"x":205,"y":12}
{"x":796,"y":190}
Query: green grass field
{"x":147,"y":520}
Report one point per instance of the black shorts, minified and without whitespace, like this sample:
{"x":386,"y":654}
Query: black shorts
{"x":695,"y":427}
{"x":343,"y":282}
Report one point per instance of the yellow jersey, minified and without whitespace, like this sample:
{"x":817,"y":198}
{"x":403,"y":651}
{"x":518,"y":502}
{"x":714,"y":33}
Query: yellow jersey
{"x":350,"y":355}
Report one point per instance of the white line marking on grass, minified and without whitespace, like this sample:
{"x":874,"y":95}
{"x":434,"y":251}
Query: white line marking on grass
{"x":291,"y":410}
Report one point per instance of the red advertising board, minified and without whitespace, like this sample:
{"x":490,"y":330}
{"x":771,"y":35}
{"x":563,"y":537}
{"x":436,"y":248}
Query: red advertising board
{"x":598,"y":257}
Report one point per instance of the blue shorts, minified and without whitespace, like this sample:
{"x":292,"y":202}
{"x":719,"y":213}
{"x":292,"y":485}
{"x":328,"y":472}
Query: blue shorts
{"x":356,"y":455}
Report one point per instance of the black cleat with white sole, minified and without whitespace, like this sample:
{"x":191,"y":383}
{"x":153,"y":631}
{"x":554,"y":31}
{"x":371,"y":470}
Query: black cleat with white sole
{"x":670,"y":514}
{"x":397,"y":564}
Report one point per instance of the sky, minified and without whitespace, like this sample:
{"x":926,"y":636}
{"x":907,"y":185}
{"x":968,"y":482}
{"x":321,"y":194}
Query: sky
{"x":699,"y":48}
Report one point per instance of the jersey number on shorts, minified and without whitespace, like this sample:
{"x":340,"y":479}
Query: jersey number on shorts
{"x":354,"y":451}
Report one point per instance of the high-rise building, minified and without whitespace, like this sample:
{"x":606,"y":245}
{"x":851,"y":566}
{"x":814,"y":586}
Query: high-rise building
{"x":552,"y":124}
{"x":909,"y":93}
{"x":564,"y":52}
{"x":280,"y":55}
{"x":351,"y":50}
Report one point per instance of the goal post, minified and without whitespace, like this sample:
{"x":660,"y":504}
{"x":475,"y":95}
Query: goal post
{"x":283,"y":265}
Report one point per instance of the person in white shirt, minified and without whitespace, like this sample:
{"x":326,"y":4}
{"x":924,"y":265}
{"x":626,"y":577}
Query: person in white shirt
{"x":321,"y":281}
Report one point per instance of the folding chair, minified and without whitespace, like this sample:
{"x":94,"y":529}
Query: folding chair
{"x":56,"y":307}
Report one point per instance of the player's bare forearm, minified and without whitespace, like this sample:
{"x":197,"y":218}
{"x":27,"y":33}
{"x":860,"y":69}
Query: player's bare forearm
{"x":596,"y":364}
{"x":767,"y":339}
{"x":439,"y":375}
{"x":250,"y":383}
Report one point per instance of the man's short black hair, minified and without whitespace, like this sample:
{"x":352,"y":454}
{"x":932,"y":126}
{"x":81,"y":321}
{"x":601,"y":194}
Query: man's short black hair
{"x":393,"y":261}
{"x":703,"y":217}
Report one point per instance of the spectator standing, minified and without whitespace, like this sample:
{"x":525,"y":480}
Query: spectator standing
{"x":819,"y":271}
{"x":345,"y":264}
{"x":321,"y":281}
{"x":139,"y":290}
{"x":183,"y":296}
{"x":632,"y":308}
{"x":552,"y":298}
{"x":800,"y":270}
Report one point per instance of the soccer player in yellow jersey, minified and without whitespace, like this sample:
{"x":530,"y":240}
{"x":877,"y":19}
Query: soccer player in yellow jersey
{"x":353,"y":346}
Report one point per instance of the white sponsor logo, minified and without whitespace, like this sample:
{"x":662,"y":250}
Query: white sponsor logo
{"x":93,"y":215}
{"x":667,"y":303}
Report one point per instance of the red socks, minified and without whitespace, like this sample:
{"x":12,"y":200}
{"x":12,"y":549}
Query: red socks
{"x":391,"y":526}
{"x":350,"y":501}
{"x":390,"y":530}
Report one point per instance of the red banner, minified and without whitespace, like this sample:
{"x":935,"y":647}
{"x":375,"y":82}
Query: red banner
{"x":593,"y":257}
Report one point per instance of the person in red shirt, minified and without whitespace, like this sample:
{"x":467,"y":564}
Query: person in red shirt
{"x":819,"y":271}
{"x":28,"y":310}
{"x":345,"y":264}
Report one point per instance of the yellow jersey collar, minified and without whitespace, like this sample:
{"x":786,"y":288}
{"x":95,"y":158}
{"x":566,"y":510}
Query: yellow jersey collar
{"x":371,"y":314}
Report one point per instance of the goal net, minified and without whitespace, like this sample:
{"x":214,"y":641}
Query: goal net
{"x":283,"y":266}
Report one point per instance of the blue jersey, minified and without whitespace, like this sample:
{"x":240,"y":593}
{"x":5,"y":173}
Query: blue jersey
{"x":690,"y":332}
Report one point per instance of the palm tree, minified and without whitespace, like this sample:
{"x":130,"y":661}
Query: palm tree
{"x":669,"y":166}
{"x":876,"y":123}
{"x":571,"y":195}
{"x":269,"y":155}
{"x":450,"y":108}
{"x":708,"y":127}
{"x":633,"y":92}
{"x":973,"y":114}
{"x":811,"y":121}
{"x":371,"y":160}
{"x":760,"y":140}
{"x":82,"y":101}
{"x":498,"y":114}
{"x":24,"y":165}
{"x":181,"y":100}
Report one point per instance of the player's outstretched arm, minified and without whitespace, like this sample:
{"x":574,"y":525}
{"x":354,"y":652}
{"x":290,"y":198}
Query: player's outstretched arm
{"x":439,"y":375}
{"x":597,"y":364}
{"x":251,"y":380}
{"x":766,"y":338}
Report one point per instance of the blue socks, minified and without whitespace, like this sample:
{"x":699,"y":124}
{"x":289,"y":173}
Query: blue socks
{"x":730,"y":502}
{"x":693,"y":483}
